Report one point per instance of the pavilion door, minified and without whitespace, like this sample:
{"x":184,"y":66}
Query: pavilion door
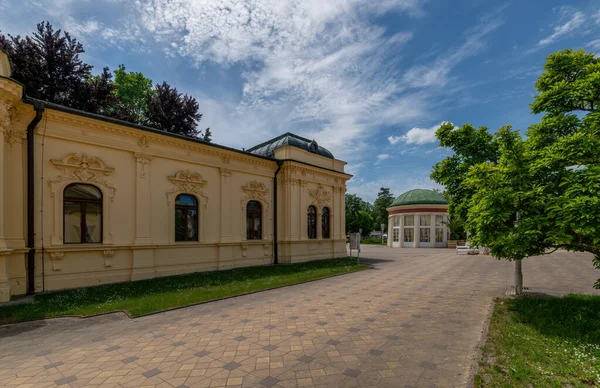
{"x":396,"y":237}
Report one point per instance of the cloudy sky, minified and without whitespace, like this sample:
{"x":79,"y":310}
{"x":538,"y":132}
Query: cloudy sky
{"x":370,"y":80}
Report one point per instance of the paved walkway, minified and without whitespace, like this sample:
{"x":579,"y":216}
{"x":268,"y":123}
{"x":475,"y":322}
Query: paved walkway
{"x":414,"y":320}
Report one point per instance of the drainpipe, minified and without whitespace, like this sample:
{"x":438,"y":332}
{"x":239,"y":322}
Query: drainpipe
{"x":39,"y":110}
{"x":275,"y":250}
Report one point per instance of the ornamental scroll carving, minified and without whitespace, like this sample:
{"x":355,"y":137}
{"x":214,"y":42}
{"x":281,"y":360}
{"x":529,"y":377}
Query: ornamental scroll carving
{"x":254,"y":191}
{"x":83,"y":168}
{"x":186,"y":181}
{"x":11,"y":136}
{"x":319,"y":195}
{"x":143,"y":158}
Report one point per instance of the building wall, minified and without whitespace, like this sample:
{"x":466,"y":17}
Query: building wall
{"x":398,"y":213}
{"x":140,"y":173}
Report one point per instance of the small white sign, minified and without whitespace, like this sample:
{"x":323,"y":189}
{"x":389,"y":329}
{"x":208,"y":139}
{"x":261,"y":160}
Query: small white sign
{"x":355,"y":241}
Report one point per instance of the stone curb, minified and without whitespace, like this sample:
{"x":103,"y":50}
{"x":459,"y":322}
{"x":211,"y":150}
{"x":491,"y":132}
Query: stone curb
{"x":482,"y":340}
{"x":128,"y":314}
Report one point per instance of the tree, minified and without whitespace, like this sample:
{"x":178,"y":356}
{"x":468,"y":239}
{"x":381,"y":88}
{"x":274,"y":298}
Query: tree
{"x":457,"y":230}
{"x":207,"y":137}
{"x":471,"y":146}
{"x":383,"y":201}
{"x":49,"y":66}
{"x":541,"y":194}
{"x":358,"y":215}
{"x":173,"y":112}
{"x":97,"y":94}
{"x":134,"y":92}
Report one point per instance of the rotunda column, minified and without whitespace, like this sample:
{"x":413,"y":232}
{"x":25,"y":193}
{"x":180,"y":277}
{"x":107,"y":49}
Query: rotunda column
{"x":417,"y":230}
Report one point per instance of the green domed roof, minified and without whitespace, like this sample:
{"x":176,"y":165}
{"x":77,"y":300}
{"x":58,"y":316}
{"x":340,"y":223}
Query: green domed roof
{"x":420,"y":196}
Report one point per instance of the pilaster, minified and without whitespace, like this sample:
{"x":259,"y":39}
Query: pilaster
{"x":225,"y":210}
{"x":4,"y":278}
{"x":143,"y":189}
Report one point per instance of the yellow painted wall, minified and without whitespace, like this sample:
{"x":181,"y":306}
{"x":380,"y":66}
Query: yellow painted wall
{"x":140,"y":173}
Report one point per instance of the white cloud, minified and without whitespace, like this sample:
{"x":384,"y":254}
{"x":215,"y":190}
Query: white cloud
{"x":322,"y":69}
{"x":381,"y":158}
{"x":394,"y":139}
{"x":417,"y":136}
{"x":572,"y":21}
{"x":436,"y":73}
{"x":318,"y":68}
{"x":594,"y":44}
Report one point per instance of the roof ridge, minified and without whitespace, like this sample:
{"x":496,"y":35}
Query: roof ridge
{"x":269,"y":141}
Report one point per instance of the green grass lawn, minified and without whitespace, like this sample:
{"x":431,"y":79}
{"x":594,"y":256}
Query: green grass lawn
{"x":542,"y":342}
{"x":372,"y":241}
{"x":146,"y":296}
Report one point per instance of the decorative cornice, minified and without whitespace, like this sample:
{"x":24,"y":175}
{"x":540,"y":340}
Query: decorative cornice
{"x":83,"y":168}
{"x":319,"y":195}
{"x":155,"y":138}
{"x":10,"y":90}
{"x":301,"y":172}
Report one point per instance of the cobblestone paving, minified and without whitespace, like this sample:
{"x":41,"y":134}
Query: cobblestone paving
{"x":414,"y":320}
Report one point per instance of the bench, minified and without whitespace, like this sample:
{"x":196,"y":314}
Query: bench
{"x":466,"y":250}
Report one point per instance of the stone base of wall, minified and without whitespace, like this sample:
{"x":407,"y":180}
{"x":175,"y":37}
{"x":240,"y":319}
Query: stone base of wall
{"x":67,"y":267}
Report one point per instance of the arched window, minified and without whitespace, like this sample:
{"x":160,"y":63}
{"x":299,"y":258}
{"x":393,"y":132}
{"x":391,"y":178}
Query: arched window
{"x":82,"y":210}
{"x":253,"y":221}
{"x":186,"y":218}
{"x":325,"y":223}
{"x":312,"y":222}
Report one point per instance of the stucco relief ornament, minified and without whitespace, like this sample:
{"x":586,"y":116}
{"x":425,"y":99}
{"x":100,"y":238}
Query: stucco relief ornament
{"x":186,"y":181}
{"x":254,"y":191}
{"x":83,"y":168}
{"x":11,"y":135}
{"x":57,"y":260}
{"x":319,"y":195}
{"x":143,"y":157}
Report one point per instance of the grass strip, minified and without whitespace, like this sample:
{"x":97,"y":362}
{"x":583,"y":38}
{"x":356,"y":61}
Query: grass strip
{"x":542,"y":342}
{"x":147,"y":296}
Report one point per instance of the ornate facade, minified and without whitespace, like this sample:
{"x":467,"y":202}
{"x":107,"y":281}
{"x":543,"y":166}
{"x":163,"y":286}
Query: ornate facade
{"x":101,"y":201}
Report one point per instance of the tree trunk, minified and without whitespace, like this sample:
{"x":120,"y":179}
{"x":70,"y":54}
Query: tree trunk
{"x":518,"y":277}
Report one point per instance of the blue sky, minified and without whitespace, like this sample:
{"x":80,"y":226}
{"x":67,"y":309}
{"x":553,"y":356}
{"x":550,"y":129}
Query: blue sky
{"x":370,"y":80}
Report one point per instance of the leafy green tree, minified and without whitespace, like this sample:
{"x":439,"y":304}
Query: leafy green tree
{"x":471,"y":146}
{"x":383,"y":201}
{"x":541,"y":194}
{"x":358,"y":215}
{"x":134,"y":92}
{"x":457,"y":230}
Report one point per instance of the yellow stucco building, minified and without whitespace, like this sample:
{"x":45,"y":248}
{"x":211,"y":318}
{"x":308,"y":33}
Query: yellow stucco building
{"x":88,"y":200}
